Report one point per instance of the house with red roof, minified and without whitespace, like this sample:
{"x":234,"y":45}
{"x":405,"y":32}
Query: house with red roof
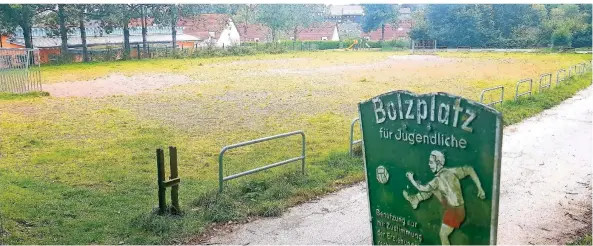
{"x":392,"y":32}
{"x":213,"y":29}
{"x":322,"y":31}
{"x":137,"y":22}
{"x":254,"y":32}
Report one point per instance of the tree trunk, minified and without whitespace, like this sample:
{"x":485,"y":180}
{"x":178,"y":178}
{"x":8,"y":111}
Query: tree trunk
{"x":126,"y":39}
{"x":382,"y":32}
{"x":27,"y":35}
{"x":85,"y":52}
{"x":173,"y":25}
{"x":144,"y":32}
{"x":25,"y":23}
{"x":63,"y":30}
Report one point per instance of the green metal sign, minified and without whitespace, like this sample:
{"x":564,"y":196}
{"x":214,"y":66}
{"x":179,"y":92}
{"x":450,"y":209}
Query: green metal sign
{"x":433,"y":166}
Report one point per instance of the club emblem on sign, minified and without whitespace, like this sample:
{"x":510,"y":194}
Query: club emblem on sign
{"x":382,"y":175}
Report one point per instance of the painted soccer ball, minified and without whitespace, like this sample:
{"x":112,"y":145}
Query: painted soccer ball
{"x":382,"y":175}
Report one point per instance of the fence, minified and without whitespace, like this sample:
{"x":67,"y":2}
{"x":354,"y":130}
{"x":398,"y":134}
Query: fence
{"x":492,"y":89}
{"x":19,"y":70}
{"x":352,"y":141}
{"x":517,"y":95}
{"x":221,"y":179}
{"x":578,"y":69}
{"x":563,"y":72}
{"x":548,"y":85}
{"x":424,"y":46}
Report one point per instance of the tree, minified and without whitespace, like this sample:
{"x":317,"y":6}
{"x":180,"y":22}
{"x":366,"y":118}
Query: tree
{"x":504,"y":25}
{"x":56,"y":23}
{"x":246,"y":14}
{"x":378,"y":15}
{"x":22,"y":15}
{"x":171,"y":14}
{"x":304,"y":16}
{"x":288,"y":17}
{"x":275,"y":17}
{"x":119,"y":15}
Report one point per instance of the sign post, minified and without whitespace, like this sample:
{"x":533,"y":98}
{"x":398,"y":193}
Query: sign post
{"x":432,"y":166}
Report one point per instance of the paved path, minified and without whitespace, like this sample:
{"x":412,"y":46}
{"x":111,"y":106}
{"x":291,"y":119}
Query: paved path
{"x":545,"y":190}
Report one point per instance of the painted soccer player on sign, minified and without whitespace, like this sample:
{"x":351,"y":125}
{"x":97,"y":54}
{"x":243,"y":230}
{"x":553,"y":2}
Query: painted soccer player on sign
{"x":445,"y":187}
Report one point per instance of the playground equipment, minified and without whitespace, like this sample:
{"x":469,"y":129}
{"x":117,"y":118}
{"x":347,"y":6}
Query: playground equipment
{"x":356,"y":45}
{"x":352,"y":45}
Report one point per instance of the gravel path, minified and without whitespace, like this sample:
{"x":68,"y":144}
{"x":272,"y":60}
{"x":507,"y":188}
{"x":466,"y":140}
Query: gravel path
{"x":545,"y":190}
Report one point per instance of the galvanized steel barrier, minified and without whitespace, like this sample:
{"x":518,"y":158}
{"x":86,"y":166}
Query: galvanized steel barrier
{"x":571,"y":70}
{"x":548,"y":85}
{"x":558,"y":80}
{"x":491,"y":89}
{"x":19,"y":70}
{"x":517,"y":95}
{"x":221,"y":179}
{"x":582,"y":67}
{"x":577,"y":69}
{"x":352,"y":141}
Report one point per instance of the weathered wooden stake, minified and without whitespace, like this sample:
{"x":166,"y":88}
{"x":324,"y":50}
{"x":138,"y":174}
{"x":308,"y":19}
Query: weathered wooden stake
{"x":160,"y":165}
{"x":173,"y":181}
{"x":174,"y":176}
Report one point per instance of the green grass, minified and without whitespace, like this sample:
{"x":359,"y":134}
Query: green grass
{"x":17,"y":96}
{"x":82,"y":170}
{"x":585,"y":240}
{"x":515,"y":111}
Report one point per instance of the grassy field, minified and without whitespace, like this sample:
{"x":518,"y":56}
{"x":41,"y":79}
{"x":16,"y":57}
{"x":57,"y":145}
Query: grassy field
{"x":81,"y":170}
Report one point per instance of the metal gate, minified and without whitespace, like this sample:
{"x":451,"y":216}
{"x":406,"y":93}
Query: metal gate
{"x":20,"y":70}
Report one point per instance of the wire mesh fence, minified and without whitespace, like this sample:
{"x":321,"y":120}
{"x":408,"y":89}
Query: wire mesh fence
{"x":20,"y":70}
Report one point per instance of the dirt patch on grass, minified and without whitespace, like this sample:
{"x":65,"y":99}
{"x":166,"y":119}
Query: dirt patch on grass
{"x":268,"y":61}
{"x":116,"y":84}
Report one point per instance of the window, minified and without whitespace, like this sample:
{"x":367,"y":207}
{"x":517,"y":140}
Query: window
{"x":291,"y":38}
{"x":212,"y":34}
{"x":256,"y":39}
{"x":323,"y":38}
{"x":399,"y":29}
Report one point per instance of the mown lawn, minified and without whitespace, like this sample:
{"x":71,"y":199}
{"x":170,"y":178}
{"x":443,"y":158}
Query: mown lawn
{"x":80,"y":170}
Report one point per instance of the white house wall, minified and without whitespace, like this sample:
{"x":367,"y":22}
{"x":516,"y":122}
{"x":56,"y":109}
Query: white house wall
{"x":229,"y":36}
{"x":335,"y":36}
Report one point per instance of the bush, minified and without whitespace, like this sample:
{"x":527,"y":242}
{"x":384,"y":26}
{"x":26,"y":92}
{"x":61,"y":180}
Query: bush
{"x":562,"y":37}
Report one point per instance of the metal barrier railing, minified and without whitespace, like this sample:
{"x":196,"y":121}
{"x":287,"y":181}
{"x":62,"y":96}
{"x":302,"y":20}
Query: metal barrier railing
{"x":548,"y":85}
{"x":491,"y":89}
{"x":352,"y":141}
{"x":577,"y":69}
{"x":517,"y":95}
{"x":221,"y":179}
{"x":558,"y":80}
{"x":582,"y":67}
{"x":571,"y":70}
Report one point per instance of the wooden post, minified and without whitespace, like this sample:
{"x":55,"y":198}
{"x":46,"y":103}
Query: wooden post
{"x":174,"y":175}
{"x":138,"y":51}
{"x":160,"y":164}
